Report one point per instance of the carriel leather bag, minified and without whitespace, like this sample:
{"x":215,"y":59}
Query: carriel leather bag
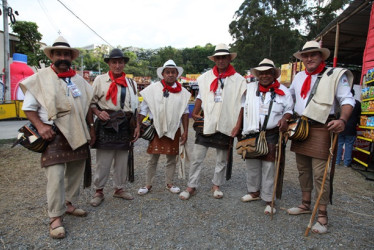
{"x":147,"y":130}
{"x":298,"y":129}
{"x":29,"y":138}
{"x":253,"y":145}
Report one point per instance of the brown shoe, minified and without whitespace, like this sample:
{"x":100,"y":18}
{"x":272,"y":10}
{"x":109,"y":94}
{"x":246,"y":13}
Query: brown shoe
{"x":123,"y":194}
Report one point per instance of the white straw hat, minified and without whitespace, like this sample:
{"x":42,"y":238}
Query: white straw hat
{"x":221,"y":50}
{"x":312,"y":46}
{"x":169,"y":64}
{"x":60,"y":43}
{"x":265,"y":65}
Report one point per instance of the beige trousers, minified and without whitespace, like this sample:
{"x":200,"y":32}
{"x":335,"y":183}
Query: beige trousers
{"x":63,"y":181}
{"x":309,"y":169}
{"x":171,"y":162}
{"x":199,"y":152}
{"x":105,"y":159}
{"x":260,"y":177}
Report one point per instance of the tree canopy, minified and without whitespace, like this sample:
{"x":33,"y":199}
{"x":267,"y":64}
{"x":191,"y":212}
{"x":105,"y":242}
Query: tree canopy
{"x":29,"y":43}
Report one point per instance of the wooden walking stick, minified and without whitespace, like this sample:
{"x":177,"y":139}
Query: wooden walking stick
{"x":329,"y":161}
{"x":277,"y":172}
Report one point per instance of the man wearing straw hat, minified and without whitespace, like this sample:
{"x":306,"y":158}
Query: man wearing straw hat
{"x":268,"y":106}
{"x":319,"y":92}
{"x":114,"y":103}
{"x":220,"y":92}
{"x":57,"y":104}
{"x":166,"y":103}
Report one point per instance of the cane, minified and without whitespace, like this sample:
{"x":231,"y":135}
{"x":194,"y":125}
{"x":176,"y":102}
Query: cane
{"x":335,"y":139}
{"x":277,"y":172}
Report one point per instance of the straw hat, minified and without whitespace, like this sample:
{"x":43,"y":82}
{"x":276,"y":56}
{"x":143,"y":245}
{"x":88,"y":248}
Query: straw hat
{"x":60,"y":43}
{"x":221,"y":50}
{"x":116,"y":53}
{"x":265,"y":65}
{"x":312,"y":46}
{"x":169,"y":64}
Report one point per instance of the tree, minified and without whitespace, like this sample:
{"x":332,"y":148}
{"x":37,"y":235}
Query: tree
{"x":323,"y":13}
{"x":266,"y":28}
{"x":29,"y":43}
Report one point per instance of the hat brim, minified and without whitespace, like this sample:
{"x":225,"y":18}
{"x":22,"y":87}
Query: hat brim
{"x":127,"y":59}
{"x":233,"y":55}
{"x":255,"y":71}
{"x":325,"y":53}
{"x":48,"y":51}
{"x":161,"y":69}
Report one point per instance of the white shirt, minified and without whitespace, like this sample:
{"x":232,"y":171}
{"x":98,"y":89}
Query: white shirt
{"x":343,"y":94}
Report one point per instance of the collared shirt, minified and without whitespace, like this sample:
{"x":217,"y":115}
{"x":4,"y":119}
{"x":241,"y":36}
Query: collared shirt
{"x":343,"y":94}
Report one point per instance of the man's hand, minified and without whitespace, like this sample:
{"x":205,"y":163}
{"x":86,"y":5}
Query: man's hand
{"x":136,"y":134}
{"x":283,"y":125}
{"x":184,"y":137}
{"x":46,"y":132}
{"x":336,"y":126}
{"x":103,"y":115}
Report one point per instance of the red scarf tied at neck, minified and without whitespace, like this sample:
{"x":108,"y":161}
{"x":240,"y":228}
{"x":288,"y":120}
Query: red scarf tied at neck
{"x":306,"y":85}
{"x":113,"y":90}
{"x":170,"y":88}
{"x":229,"y":72}
{"x":69,"y":73}
{"x":274,"y":86}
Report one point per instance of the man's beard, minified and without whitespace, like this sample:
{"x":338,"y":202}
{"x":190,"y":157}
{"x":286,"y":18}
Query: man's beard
{"x":59,"y":62}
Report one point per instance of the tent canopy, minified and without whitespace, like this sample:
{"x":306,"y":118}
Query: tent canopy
{"x":353,"y":29}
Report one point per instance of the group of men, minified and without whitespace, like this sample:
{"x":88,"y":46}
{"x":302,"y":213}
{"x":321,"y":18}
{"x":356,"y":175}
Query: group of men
{"x":62,"y":106}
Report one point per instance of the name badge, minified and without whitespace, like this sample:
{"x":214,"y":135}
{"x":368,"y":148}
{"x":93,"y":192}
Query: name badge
{"x":264,"y":109}
{"x":218,"y":95}
{"x":73,"y":88}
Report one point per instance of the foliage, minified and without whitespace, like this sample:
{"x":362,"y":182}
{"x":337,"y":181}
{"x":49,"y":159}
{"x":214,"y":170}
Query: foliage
{"x":277,"y":28}
{"x":323,"y":14}
{"x":264,"y":28}
{"x":29,"y":43}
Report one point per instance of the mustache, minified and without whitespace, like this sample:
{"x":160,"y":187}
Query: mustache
{"x":59,"y":62}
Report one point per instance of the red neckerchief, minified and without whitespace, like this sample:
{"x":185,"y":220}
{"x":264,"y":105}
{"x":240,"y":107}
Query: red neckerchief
{"x":65,"y":74}
{"x":274,"y":86}
{"x":306,"y":85}
{"x":170,"y":89}
{"x":112,"y":91}
{"x":229,"y":72}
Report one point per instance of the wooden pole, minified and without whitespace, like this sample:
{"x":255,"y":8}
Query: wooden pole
{"x":335,"y":62}
{"x":335,"y":139}
{"x":277,"y":172}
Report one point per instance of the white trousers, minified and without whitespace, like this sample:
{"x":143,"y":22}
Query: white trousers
{"x":199,"y":153}
{"x":105,"y":159}
{"x":260,"y":177}
{"x":63,"y":181}
{"x":171,"y":163}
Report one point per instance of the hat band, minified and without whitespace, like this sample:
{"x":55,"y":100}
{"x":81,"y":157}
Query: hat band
{"x":172,"y":65}
{"x":221,"y":50}
{"x":266,"y":64}
{"x":61,"y":44}
{"x":310,"y":48}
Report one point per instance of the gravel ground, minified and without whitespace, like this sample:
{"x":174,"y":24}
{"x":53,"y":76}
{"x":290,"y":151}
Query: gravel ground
{"x":160,"y":220}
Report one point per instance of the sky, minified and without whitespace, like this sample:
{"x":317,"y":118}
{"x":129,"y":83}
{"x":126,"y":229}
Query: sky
{"x":147,"y":24}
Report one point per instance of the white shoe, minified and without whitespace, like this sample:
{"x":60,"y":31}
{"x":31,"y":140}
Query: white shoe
{"x":268,"y":210}
{"x":173,"y":189}
{"x":143,"y":191}
{"x":217,"y":194}
{"x":249,"y":197}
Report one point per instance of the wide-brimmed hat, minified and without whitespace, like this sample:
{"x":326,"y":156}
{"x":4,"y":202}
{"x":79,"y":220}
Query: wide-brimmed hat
{"x":264,"y":65}
{"x":116,"y":53}
{"x":60,"y":43}
{"x":221,"y":50}
{"x":312,"y":46}
{"x":169,"y":64}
